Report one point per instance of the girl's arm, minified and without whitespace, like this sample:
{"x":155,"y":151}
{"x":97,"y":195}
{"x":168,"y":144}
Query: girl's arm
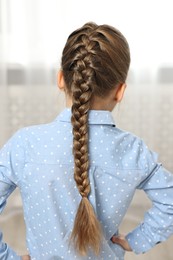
{"x":157,"y":225}
{"x":6,"y":188}
{"x":26,"y":257}
{"x":122,"y":241}
{"x":12,"y":160}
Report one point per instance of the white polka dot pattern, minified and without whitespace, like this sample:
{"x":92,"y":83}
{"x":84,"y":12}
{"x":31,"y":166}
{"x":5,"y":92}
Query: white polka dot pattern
{"x":39,"y":160}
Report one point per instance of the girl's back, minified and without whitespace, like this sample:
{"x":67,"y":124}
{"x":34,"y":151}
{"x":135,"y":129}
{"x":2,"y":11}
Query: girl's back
{"x":78,"y":174}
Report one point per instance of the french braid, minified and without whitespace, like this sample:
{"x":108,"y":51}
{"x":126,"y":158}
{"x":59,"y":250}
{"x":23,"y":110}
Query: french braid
{"x":86,"y":231}
{"x":95,"y":59}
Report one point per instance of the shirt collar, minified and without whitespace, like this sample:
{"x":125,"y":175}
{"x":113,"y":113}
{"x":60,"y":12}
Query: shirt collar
{"x":96,"y":117}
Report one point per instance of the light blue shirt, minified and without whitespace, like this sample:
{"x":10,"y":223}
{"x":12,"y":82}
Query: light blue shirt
{"x":39,"y":161}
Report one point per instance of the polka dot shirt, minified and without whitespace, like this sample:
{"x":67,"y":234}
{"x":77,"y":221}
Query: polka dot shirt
{"x":39,"y":161}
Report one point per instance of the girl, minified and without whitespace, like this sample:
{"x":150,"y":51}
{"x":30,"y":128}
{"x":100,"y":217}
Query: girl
{"x":77,"y":175}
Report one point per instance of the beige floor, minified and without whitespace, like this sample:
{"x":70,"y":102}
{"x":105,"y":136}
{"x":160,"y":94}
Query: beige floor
{"x":147,"y":112}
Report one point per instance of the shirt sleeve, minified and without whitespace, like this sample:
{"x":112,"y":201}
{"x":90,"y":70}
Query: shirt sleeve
{"x":157,"y":226}
{"x":11,"y":158}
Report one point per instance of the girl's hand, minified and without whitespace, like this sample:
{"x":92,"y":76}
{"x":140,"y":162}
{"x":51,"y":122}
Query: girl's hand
{"x":121,"y":240}
{"x":26,"y":257}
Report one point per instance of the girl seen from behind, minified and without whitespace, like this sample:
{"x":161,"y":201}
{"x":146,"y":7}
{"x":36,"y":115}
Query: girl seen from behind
{"x":77,"y":175}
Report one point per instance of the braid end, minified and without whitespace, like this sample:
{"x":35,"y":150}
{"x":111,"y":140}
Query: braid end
{"x":86,"y":232}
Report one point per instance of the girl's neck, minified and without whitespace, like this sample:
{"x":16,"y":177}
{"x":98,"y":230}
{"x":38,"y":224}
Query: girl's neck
{"x":96,"y":104}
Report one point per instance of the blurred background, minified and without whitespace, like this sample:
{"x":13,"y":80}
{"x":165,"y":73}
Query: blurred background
{"x":32,"y":36}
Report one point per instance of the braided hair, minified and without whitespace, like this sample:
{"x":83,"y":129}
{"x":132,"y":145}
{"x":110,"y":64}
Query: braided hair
{"x":94,"y":60}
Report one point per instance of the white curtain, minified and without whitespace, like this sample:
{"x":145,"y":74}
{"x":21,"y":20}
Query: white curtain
{"x":33,"y":32}
{"x":32,"y":36}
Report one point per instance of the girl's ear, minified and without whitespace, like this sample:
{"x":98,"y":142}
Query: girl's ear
{"x":120,"y":92}
{"x":60,"y":80}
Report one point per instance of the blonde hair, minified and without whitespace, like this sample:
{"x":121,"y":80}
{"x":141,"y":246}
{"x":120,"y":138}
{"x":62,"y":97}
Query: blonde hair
{"x":94,"y":60}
